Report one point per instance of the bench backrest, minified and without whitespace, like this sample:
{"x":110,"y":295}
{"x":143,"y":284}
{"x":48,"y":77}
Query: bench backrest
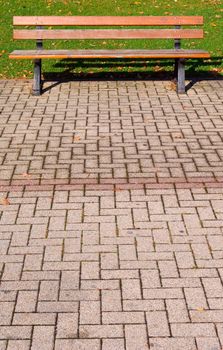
{"x":40,"y":33}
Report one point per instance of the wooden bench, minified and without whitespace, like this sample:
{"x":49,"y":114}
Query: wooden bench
{"x":43,"y":30}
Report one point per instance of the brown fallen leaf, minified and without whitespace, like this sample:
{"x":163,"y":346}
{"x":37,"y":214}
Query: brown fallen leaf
{"x":26,"y":175}
{"x":5,"y":201}
{"x":76,"y":138}
{"x":172,"y":86}
{"x":177,"y":135}
{"x":117,"y":189}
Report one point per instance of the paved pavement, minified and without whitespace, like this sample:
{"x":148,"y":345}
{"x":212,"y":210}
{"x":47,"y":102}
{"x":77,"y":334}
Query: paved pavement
{"x":111,"y":219}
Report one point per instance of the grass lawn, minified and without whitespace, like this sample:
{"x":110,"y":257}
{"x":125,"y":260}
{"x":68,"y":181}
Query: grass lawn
{"x":212,"y":10}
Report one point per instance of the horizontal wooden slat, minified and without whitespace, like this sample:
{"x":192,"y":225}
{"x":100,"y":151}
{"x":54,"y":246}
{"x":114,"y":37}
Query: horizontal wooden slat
{"x":36,"y":54}
{"x":108,"y":34}
{"x":107,"y":20}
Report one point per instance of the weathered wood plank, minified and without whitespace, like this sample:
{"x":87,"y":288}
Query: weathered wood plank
{"x":108,"y":34}
{"x":107,"y":20}
{"x":144,"y":54}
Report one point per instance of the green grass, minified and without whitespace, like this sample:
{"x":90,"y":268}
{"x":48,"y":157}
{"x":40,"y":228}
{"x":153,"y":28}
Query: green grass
{"x":212,"y":10}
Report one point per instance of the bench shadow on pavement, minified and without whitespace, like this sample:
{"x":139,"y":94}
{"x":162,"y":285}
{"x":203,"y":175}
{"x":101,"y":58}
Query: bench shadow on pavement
{"x":153,"y":70}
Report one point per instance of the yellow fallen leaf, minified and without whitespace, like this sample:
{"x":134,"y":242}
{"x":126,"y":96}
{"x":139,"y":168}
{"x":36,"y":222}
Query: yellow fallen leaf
{"x":158,"y":69}
{"x":200,"y":309}
{"x":217,"y":70}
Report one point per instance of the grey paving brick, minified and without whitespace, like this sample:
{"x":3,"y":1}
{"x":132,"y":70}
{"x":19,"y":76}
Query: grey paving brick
{"x":157,"y":324}
{"x":67,"y":325}
{"x":43,"y":335}
{"x":83,"y":344}
{"x":136,"y":337}
{"x":101,"y":331}
{"x":115,"y":344}
{"x":6,"y":313}
{"x":111,"y":300}
{"x":208,"y":343}
{"x":34,"y":318}
{"x":26,"y":301}
{"x":12,"y":272}
{"x":173,"y":343}
{"x":193,"y":330}
{"x":213,"y":287}
{"x":48,"y":290}
{"x":15,"y":332}
{"x":177,"y":311}
{"x":195,"y":298}
{"x":89,"y":312}
{"x":3,"y":344}
{"x":122,"y":317}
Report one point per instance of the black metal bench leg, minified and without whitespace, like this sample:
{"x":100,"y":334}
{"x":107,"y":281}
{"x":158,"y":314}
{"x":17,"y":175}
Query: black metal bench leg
{"x":181,"y":76}
{"x":37,"y":78}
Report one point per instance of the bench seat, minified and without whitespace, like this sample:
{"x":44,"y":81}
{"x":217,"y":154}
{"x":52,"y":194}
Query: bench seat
{"x":63,"y":54}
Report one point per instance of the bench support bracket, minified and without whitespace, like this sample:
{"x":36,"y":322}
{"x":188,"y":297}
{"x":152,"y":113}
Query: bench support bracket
{"x":37,"y":78}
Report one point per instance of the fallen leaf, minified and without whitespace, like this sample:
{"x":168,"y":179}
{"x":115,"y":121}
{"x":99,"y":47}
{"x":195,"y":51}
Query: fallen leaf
{"x":217,"y":70}
{"x":200,"y":309}
{"x":5,"y":201}
{"x":177,"y":135}
{"x":172,"y":86}
{"x":158,"y":69}
{"x":76,"y":138}
{"x":26,"y":175}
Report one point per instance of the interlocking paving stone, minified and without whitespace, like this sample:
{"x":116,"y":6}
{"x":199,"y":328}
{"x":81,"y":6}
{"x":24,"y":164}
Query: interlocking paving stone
{"x":111,"y":216}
